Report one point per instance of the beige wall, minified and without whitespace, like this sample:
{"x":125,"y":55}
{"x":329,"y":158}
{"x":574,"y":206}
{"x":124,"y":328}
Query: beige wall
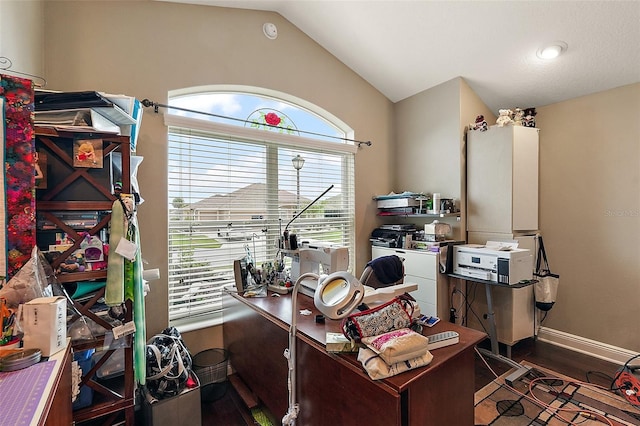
{"x":145,"y":49}
{"x":590,"y":213}
{"x":428,"y":146}
{"x":430,"y":133}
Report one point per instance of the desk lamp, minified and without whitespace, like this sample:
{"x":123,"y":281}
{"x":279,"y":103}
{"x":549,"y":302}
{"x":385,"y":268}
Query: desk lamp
{"x":336,"y":296}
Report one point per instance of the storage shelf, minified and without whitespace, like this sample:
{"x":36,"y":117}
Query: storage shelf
{"x":75,"y":205}
{"x":71,"y":277}
{"x":456,"y":214}
{"x":70,"y":188}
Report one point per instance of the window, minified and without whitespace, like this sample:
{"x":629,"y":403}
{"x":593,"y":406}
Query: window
{"x":233,"y":189}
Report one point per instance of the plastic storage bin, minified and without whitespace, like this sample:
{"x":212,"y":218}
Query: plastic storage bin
{"x":85,"y":362}
{"x":181,"y":410}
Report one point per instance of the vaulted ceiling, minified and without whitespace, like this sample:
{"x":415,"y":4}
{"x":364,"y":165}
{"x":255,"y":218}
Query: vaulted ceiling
{"x":404,"y":47}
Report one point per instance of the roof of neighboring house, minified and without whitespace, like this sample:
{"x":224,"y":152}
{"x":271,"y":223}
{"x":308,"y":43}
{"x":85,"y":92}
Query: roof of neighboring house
{"x":252,"y":197}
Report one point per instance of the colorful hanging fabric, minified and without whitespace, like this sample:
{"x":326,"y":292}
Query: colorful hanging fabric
{"x":124,"y":277}
{"x":19,"y":148}
{"x":3,"y":204}
{"x":134,"y":290}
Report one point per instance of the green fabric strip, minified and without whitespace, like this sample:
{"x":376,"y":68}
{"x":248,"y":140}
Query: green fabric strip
{"x":114,"y":291}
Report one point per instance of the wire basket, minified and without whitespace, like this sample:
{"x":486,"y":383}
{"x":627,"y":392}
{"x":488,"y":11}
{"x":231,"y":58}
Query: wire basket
{"x":210,"y":366}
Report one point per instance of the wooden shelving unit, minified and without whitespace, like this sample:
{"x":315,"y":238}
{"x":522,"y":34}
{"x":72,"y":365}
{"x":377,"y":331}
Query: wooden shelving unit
{"x":75,"y":189}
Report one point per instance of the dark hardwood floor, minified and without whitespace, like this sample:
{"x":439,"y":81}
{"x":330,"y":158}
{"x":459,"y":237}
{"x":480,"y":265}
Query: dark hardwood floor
{"x":229,"y":409}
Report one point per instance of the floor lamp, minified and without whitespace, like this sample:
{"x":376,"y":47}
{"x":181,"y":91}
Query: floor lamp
{"x":336,"y":296}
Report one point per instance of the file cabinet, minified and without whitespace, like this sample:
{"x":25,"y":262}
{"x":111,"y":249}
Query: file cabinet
{"x":422,"y":267}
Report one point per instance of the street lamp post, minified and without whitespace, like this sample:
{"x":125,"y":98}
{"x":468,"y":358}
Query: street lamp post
{"x":298,"y":162}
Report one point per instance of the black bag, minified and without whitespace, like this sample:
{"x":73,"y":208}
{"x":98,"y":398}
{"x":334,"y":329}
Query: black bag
{"x":546,"y":287}
{"x":169,"y":364}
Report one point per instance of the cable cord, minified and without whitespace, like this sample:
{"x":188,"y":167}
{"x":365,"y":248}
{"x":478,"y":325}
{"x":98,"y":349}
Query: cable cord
{"x":592,"y":415}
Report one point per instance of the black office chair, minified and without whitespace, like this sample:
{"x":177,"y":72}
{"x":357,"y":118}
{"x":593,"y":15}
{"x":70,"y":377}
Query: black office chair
{"x":383,"y":272}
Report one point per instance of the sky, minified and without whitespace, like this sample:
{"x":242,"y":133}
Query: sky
{"x":216,"y":163}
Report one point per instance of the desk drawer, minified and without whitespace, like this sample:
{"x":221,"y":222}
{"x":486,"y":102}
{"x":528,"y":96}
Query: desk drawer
{"x":416,"y":263}
{"x":426,"y":292}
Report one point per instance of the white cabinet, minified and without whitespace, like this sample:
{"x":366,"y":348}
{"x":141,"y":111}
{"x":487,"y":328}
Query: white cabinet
{"x":513,"y":309}
{"x":422,"y":267}
{"x":502,"y":180}
{"x":502,"y":205}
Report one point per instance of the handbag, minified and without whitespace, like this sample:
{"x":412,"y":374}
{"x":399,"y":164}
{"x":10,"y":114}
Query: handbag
{"x":392,"y":315}
{"x":398,"y":345}
{"x":546,"y":287}
{"x":377,"y":368}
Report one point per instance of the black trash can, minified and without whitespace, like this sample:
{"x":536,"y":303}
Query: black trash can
{"x":210,"y":366}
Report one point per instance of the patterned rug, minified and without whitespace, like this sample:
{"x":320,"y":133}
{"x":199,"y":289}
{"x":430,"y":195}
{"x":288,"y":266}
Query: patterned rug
{"x":497,"y":405}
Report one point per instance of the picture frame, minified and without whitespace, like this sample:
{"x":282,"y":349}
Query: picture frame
{"x":87,"y":153}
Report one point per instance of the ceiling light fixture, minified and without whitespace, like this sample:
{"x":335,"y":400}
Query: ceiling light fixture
{"x":270,"y":30}
{"x":552,"y":50}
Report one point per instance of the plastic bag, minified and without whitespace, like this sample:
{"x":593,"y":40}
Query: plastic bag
{"x":169,"y":364}
{"x":33,"y":280}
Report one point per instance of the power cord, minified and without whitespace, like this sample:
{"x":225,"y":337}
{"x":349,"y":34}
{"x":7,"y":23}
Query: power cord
{"x":552,"y":410}
{"x":626,"y":384}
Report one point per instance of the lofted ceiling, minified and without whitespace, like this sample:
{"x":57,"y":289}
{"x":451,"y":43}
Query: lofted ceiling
{"x":403,"y":47}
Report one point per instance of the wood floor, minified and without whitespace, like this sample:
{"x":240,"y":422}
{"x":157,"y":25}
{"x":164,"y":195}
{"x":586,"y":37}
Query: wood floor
{"x":230,"y":411}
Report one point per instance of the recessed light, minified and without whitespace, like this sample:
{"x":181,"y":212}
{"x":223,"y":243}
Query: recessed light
{"x":552,"y":50}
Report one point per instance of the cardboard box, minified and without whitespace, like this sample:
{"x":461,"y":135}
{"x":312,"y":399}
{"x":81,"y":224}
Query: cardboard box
{"x":45,"y":324}
{"x":180,"y":410}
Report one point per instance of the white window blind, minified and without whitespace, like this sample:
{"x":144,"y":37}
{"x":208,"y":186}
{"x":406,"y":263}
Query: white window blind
{"x":231,"y":192}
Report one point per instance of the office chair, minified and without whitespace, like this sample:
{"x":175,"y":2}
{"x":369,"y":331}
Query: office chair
{"x":383,"y":272}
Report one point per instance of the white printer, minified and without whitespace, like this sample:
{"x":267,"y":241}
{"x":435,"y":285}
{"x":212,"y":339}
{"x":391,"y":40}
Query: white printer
{"x":495,"y":262}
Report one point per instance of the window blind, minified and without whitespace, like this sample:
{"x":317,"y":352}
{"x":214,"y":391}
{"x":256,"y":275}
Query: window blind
{"x":231,"y":194}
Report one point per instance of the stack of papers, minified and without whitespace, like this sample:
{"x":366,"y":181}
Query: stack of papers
{"x":89,"y":111}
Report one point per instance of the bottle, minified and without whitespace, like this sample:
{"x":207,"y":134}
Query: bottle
{"x":429,"y":204}
{"x":436,"y":202}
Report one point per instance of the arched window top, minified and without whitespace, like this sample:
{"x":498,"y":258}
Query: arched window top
{"x":259,"y":108}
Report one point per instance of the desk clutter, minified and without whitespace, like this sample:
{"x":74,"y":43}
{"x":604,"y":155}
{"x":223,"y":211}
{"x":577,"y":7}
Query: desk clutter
{"x":433,"y":237}
{"x":414,"y":203}
{"x":388,"y":338}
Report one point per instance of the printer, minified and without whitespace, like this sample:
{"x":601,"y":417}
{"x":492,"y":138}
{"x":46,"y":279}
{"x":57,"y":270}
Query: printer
{"x":391,"y":235}
{"x":492,"y":262}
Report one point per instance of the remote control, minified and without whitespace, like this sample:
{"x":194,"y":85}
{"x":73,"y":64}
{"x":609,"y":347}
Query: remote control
{"x":443,"y":339}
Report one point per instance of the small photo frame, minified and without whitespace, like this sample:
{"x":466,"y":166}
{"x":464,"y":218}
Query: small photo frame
{"x":87,"y":153}
{"x":40,"y":164}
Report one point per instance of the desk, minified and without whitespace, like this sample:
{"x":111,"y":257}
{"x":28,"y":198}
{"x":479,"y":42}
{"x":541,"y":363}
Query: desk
{"x":45,"y":396}
{"x":491,"y":317}
{"x":334,"y":388}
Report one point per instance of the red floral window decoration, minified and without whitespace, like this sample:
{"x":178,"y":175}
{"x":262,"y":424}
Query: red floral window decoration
{"x":271,"y":119}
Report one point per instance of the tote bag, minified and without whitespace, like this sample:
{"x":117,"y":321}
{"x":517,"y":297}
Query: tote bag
{"x":546,"y":287}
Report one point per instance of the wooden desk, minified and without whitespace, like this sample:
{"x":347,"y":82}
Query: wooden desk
{"x":49,"y":401}
{"x":334,"y":388}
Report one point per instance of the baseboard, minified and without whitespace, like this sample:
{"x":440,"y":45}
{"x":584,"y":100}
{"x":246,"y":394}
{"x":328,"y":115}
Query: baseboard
{"x":586,"y":346}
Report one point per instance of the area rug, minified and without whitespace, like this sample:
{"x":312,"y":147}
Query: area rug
{"x":579,"y":403}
